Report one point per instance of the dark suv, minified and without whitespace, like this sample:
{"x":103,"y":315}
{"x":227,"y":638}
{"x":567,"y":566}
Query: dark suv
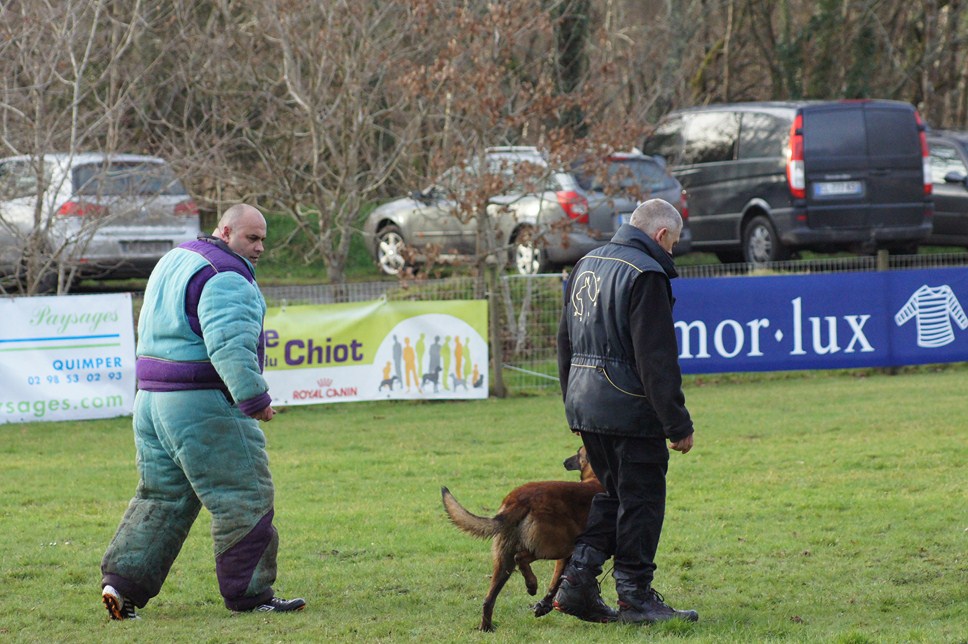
{"x":768,"y":179}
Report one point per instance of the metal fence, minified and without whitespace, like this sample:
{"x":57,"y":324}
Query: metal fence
{"x":529,"y":306}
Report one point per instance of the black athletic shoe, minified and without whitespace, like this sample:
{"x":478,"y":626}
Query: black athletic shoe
{"x":118,"y":606}
{"x":277,"y":605}
{"x":582,"y":598}
{"x":650,"y":607}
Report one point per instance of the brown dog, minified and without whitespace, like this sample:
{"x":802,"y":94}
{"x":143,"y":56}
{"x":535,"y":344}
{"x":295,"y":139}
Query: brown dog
{"x":536,"y":521}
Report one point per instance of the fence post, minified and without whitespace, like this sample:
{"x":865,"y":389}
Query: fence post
{"x":884,"y":264}
{"x":494,"y":324}
{"x":883,"y":259}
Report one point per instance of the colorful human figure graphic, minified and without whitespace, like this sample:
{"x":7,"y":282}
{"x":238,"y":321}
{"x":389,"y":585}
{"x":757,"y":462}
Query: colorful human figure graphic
{"x":410,"y":365}
{"x":445,"y":360}
{"x":458,"y":357}
{"x":397,"y":356}
{"x":419,"y":346}
{"x":467,"y":357}
{"x":388,"y":379}
{"x":434,"y":355}
{"x":477,"y":380}
{"x":433,"y":366}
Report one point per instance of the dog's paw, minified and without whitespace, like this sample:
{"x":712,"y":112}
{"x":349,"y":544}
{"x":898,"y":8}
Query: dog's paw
{"x":543,"y":607}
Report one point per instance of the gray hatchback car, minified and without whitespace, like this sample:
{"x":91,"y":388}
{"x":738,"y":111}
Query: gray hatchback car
{"x":547,"y":219}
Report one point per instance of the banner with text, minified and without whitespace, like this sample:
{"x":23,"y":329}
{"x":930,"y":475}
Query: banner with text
{"x":829,"y":321}
{"x":66,"y":358}
{"x":377,"y":350}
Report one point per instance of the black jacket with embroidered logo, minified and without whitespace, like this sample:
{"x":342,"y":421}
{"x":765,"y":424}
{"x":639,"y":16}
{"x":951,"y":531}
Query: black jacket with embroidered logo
{"x":617,"y":349}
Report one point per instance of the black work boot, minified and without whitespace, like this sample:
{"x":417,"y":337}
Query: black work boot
{"x":579,"y":594}
{"x":639,"y":603}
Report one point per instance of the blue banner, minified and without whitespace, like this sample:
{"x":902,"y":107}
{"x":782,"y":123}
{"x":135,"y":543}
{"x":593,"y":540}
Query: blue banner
{"x":829,"y":321}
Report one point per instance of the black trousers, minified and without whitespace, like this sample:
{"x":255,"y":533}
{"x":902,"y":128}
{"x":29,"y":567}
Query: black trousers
{"x":625,"y":521}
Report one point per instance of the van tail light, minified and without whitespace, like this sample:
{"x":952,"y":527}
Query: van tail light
{"x":684,"y":206}
{"x":187,"y":208}
{"x":925,"y":155}
{"x":796,"y":175}
{"x":81,"y":209}
{"x":574,"y":205}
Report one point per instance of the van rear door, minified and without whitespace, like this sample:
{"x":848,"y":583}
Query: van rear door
{"x":896,"y":166}
{"x":863,"y":165}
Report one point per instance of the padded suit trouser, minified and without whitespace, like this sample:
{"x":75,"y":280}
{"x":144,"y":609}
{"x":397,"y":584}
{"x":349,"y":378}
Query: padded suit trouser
{"x":194,"y":448}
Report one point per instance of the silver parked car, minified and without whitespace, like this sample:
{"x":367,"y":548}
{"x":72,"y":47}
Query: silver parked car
{"x":545,"y":218}
{"x":105,"y":216}
{"x":949,"y":172}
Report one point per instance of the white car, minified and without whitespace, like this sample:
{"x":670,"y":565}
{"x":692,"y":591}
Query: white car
{"x":103,"y":216}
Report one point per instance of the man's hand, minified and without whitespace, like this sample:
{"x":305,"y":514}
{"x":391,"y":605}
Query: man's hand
{"x":683,"y":445}
{"x":266,"y":414}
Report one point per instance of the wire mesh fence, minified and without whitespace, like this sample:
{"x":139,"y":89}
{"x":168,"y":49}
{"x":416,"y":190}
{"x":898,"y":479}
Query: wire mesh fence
{"x":528,"y":307}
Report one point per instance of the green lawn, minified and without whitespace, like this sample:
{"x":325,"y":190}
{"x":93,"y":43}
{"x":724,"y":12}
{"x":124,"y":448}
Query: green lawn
{"x":814,"y":508}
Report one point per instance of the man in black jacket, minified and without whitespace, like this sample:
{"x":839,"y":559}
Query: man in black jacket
{"x":620,"y":379}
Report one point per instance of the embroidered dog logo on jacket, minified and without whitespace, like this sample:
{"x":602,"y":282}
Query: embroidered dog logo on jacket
{"x":585,"y":293}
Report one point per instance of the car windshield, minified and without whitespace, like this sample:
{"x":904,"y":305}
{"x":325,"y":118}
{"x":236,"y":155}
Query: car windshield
{"x":633,"y":174}
{"x":508,"y":173}
{"x":126,"y":178}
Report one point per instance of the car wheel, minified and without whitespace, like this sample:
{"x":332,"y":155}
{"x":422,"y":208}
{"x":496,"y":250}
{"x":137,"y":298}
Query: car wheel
{"x":761,"y":244}
{"x":390,"y":247}
{"x":527,"y":258}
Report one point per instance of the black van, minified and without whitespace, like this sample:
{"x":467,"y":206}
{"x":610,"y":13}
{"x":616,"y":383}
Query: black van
{"x":768,"y":179}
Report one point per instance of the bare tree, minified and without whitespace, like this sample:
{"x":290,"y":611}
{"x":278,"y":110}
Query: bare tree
{"x":322,"y":110}
{"x":348,"y":121}
{"x":64,"y":87}
{"x":319,"y":111}
{"x":942,"y":80}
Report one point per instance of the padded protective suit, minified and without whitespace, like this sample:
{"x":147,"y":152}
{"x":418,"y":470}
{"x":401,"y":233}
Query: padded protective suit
{"x":199,"y":349}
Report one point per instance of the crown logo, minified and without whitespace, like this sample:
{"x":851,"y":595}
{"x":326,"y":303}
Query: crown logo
{"x":324,"y":382}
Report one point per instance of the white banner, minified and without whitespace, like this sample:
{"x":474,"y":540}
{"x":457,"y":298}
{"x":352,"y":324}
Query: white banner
{"x":66,"y":358}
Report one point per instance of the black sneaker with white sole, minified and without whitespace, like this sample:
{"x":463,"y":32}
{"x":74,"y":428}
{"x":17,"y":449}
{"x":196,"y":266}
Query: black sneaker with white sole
{"x":118,"y":606}
{"x":279,"y":605}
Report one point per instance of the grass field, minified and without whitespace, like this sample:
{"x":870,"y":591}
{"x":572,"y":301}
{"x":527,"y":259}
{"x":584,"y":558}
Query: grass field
{"x":814,"y":508}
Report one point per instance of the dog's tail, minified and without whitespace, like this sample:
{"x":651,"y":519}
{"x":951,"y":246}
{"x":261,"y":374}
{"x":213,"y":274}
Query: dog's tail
{"x":482,"y":527}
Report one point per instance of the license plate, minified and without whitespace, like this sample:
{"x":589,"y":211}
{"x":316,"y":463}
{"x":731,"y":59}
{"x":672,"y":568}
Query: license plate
{"x":823,"y":189}
{"x":146,"y":247}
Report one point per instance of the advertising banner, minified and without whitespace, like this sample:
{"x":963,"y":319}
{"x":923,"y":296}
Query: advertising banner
{"x":377,"y":350}
{"x":66,"y":358}
{"x":829,"y":321}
